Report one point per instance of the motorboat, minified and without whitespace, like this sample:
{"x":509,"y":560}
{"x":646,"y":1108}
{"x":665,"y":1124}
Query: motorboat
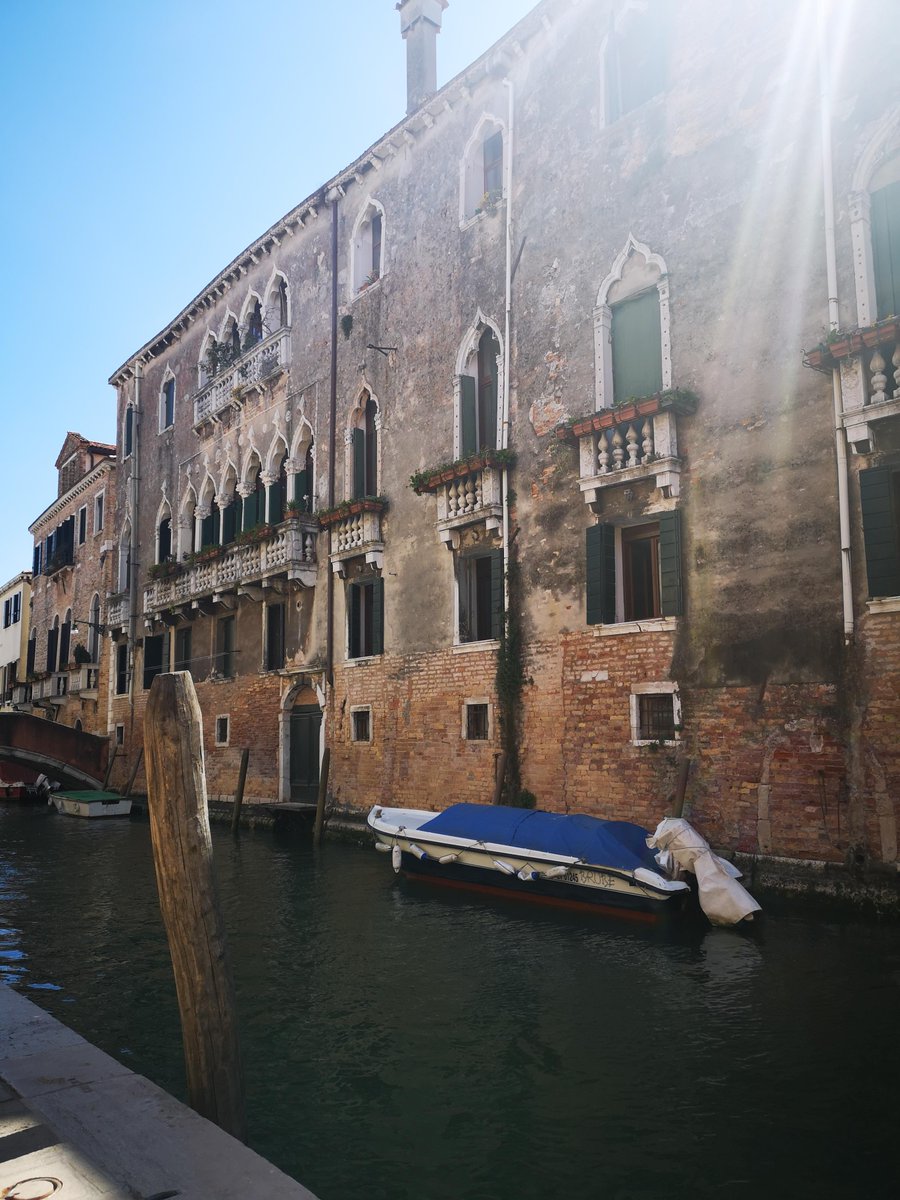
{"x":557,"y":858}
{"x":91,"y":804}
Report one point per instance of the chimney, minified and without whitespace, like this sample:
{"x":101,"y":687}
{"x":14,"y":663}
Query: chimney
{"x":420,"y":23}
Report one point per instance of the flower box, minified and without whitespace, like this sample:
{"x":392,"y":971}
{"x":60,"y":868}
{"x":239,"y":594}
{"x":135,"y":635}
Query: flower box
{"x":430,"y":480}
{"x":350,"y":508}
{"x":679,"y":400}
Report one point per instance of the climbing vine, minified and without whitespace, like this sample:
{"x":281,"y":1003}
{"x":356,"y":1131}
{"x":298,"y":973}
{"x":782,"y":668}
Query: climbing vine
{"x":510,"y":681}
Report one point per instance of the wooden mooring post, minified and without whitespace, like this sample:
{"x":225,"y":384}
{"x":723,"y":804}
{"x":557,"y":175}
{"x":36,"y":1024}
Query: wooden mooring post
{"x":182,"y":854}
{"x":133,"y":776}
{"x":239,"y":792}
{"x":109,"y":769}
{"x":320,"y":799}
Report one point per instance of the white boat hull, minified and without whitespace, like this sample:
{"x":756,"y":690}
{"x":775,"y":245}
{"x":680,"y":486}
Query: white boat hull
{"x":119,"y":806}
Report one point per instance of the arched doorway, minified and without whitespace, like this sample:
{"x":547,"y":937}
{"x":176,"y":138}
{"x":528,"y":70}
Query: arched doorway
{"x":304,"y":733}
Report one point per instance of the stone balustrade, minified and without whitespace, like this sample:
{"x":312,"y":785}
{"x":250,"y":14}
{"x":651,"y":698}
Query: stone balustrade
{"x":358,"y":534}
{"x":256,"y":366}
{"x":468,"y":500}
{"x":639,"y":447}
{"x":289,"y":551}
{"x":117,"y":611}
{"x":84,"y":678}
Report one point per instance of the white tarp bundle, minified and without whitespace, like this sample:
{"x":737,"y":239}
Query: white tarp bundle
{"x":722,"y":898}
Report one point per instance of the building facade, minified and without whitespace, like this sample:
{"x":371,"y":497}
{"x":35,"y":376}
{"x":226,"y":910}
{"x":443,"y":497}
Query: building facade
{"x":500,"y":454}
{"x":71,"y":579}
{"x":15,"y":604}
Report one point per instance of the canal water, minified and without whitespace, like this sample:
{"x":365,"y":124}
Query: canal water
{"x":400,"y":1043}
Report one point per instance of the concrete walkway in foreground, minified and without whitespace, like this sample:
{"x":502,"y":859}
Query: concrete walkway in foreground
{"x":76,"y":1124}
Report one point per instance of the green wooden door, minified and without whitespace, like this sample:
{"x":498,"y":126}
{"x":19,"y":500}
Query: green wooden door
{"x":306,"y":721}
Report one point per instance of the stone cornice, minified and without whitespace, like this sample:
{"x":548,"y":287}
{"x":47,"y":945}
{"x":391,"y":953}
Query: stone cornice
{"x":495,"y":62}
{"x":84,"y":484}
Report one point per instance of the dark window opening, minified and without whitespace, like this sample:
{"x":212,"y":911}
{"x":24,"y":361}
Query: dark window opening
{"x":366,"y":618}
{"x":155,"y":649}
{"x":52,"y":645}
{"x":129,"y":430}
{"x":82,"y":526}
{"x":229,"y":521}
{"x":183,"y":649}
{"x":492,"y":151}
{"x":210,"y":528}
{"x":254,"y":507}
{"x":278,"y":493}
{"x":365,"y":452}
{"x":376,"y":244}
{"x":275,"y":637}
{"x":478,"y":398}
{"x":32,"y":648}
{"x":168,"y":403}
{"x":65,"y":639}
{"x":282,"y":303}
{"x":254,"y":326}
{"x":121,"y":668}
{"x":225,"y":647}
{"x":303,"y":483}
{"x":640,"y":572}
{"x":98,"y":513}
{"x":164,"y":552}
{"x":362,"y":725}
{"x":480,"y":579}
{"x":120,"y":735}
{"x":656,"y":718}
{"x":477,"y":722}
{"x":234,"y":339}
{"x":222,"y":724}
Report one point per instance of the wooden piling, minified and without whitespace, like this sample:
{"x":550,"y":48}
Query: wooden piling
{"x":680,"y":787}
{"x":182,"y":854}
{"x":109,"y":769}
{"x":320,"y":799}
{"x":239,"y":792}
{"x":499,"y":775}
{"x":133,"y":776}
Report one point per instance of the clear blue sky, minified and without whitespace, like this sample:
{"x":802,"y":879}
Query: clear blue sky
{"x":144,"y":144}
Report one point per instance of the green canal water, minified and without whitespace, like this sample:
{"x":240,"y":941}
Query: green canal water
{"x":402,"y":1044}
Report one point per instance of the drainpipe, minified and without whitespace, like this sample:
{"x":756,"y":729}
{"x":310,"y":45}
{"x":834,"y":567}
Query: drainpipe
{"x":504,"y":435}
{"x":134,"y":484}
{"x":332,"y":435}
{"x":840,"y":440}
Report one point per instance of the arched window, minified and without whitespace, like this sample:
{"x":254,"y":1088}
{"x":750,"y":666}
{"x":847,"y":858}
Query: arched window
{"x":368,"y":247}
{"x":164,"y":538}
{"x":304,"y":481}
{"x":124,"y":576}
{"x":277,"y":311}
{"x":255,"y":501}
{"x":278,"y":491}
{"x":53,"y":645}
{"x":482,"y":174}
{"x":631,"y":328}
{"x":128,"y":438}
{"x":65,"y":640}
{"x":208,"y":367}
{"x":232,"y":512}
{"x":93,"y":637}
{"x":209,"y":521}
{"x":479,"y":392}
{"x":364,"y":443}
{"x":167,"y":403}
{"x":231,"y":342}
{"x":254,"y":332}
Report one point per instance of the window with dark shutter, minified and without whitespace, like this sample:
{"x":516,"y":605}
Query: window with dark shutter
{"x":885,"y":223}
{"x":636,"y":347}
{"x":165,"y":540}
{"x":275,"y":637}
{"x":225,"y":647}
{"x":879,"y":498}
{"x":670,"y":556}
{"x":183,"y":649}
{"x":121,"y":668}
{"x":600,"y":541}
{"x":155,"y":655}
{"x":129,"y":430}
{"x":365,"y":616}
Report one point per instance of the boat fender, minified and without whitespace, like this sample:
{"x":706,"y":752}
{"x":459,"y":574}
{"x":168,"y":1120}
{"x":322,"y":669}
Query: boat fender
{"x":448,"y":858}
{"x":503,"y":866}
{"x":382,"y":846}
{"x":555,"y":872}
{"x":527,"y":875}
{"x":396,"y":857}
{"x":418,"y":851}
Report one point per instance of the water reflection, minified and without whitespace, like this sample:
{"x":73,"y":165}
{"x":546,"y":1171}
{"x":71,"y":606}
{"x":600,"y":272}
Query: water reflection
{"x":401,"y":1041}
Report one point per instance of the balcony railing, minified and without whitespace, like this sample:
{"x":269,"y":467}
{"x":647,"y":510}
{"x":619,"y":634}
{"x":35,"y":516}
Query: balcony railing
{"x":21,"y":693}
{"x":53,"y":687}
{"x":84,"y":678}
{"x":869,"y":362}
{"x":356,"y":533}
{"x":259,"y":365}
{"x":117,"y":610}
{"x":469,"y":499}
{"x":289,"y":551}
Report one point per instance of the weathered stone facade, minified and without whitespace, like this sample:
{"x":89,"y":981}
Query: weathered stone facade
{"x":603,"y":249}
{"x":15,"y":606}
{"x":67,"y":660}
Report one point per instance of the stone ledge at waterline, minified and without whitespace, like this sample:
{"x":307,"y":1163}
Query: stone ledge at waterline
{"x":107,"y":1131}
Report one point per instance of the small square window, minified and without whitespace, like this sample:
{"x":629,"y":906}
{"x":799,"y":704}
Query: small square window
{"x":361,"y":724}
{"x":655,"y":714}
{"x":222,"y":730}
{"x":477,"y":722}
{"x":120,"y":735}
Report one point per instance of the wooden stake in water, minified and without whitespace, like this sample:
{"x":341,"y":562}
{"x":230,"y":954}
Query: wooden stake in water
{"x":182,"y":854}
{"x":239,"y":792}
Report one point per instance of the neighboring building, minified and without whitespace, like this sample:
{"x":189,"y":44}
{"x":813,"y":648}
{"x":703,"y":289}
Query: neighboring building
{"x":15,"y":602}
{"x":601,"y":249}
{"x":71,"y":577}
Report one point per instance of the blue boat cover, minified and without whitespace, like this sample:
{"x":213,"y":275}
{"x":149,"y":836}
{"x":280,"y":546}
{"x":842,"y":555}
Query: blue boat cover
{"x":617,"y":844}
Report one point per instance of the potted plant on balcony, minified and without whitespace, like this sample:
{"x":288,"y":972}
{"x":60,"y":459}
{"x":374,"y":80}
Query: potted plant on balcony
{"x":80,"y":654}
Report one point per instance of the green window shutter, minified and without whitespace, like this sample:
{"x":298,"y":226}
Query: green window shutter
{"x":671,"y":593}
{"x":301,"y":486}
{"x":885,"y":223}
{"x":496,"y":593}
{"x":276,"y":502}
{"x":467,"y":418}
{"x":880,"y":531}
{"x":228,"y":519}
{"x":359,"y":464}
{"x":378,"y":616}
{"x":354,"y":620}
{"x":600,"y":550}
{"x":207,"y":536}
{"x":636,"y":347}
{"x":488,"y":439}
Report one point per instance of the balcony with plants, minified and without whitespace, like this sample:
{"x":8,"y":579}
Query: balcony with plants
{"x":230,"y":372}
{"x":869,"y":362}
{"x":356,"y":531}
{"x":468,"y":491}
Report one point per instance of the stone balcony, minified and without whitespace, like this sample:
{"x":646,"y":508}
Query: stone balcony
{"x":468,"y":492}
{"x":83,"y":680}
{"x":117,"y":610}
{"x":51,"y":688}
{"x":256,"y":367}
{"x":636,"y":441}
{"x":355,"y":532}
{"x":287,"y":552}
{"x":869,"y":363}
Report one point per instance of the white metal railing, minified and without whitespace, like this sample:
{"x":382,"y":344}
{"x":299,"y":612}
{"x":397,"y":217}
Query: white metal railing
{"x":254,"y":366}
{"x":289,"y":550}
